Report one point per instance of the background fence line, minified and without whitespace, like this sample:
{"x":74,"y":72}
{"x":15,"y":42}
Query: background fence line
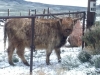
{"x":9,"y":12}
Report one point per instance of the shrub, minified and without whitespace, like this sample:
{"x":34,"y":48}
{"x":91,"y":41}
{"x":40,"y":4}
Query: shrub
{"x":15,"y":59}
{"x":92,"y":38}
{"x":70,"y":62}
{"x":97,"y":23}
{"x":96,"y":61}
{"x":84,"y":56}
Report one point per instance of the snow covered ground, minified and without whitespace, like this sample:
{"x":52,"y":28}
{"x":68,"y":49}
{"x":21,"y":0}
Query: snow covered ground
{"x":98,"y":18}
{"x":70,"y":64}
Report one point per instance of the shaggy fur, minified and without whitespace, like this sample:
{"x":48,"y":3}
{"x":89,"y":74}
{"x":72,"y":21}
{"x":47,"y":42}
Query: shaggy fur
{"x":49,"y":34}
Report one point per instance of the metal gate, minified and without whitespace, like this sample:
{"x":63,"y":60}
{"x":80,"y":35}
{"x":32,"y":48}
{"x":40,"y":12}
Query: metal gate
{"x":33,"y":23}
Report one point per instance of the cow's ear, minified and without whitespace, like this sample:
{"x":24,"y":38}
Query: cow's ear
{"x":75,"y":20}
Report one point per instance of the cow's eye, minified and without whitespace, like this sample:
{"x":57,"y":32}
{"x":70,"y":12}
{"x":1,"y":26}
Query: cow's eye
{"x":67,"y":30}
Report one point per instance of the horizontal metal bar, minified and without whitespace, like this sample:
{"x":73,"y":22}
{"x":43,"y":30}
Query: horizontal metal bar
{"x":7,"y":17}
{"x":59,"y":13}
{"x":34,"y":15}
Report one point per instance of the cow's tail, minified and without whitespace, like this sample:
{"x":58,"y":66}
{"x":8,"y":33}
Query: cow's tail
{"x":5,"y":35}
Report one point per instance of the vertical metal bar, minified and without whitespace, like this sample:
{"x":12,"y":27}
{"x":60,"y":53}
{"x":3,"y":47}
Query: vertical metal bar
{"x":84,"y":14}
{"x":35,"y":13}
{"x":32,"y":45}
{"x":43,"y":13}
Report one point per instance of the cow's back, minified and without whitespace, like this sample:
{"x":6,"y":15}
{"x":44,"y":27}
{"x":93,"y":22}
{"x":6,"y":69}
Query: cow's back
{"x":46,"y":32}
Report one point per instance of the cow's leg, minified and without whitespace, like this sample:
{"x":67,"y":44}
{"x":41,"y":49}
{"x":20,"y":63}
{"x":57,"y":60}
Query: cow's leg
{"x":57,"y":50}
{"x":48,"y":52}
{"x":20,"y":52}
{"x":10,"y":51}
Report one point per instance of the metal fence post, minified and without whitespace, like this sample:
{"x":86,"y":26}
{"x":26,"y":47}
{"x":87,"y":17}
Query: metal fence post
{"x":84,"y":15}
{"x":32,"y":44}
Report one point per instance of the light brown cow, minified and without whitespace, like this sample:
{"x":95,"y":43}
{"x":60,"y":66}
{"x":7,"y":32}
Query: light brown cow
{"x":49,"y":34}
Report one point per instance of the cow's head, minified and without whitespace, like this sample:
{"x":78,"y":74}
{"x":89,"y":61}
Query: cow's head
{"x":67,"y":25}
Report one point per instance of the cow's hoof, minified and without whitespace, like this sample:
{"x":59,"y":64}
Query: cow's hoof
{"x":59,"y":61}
{"x":26,"y":63}
{"x":12,"y":64}
{"x":48,"y":63}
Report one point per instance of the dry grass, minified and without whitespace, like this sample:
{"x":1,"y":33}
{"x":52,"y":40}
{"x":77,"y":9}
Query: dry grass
{"x":59,"y":71}
{"x":41,"y":72}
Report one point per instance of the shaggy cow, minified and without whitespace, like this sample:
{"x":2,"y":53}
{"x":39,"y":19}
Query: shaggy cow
{"x":49,"y":34}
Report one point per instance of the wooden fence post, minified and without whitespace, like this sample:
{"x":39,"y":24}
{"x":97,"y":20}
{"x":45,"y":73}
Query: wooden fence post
{"x":69,"y":13}
{"x":48,"y":11}
{"x":91,"y":13}
{"x":8,"y":12}
{"x":44,"y":11}
{"x":35,"y":11}
{"x":20,"y":13}
{"x":29,"y":12}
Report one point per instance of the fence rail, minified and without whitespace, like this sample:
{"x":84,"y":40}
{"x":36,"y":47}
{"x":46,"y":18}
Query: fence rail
{"x":9,"y":12}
